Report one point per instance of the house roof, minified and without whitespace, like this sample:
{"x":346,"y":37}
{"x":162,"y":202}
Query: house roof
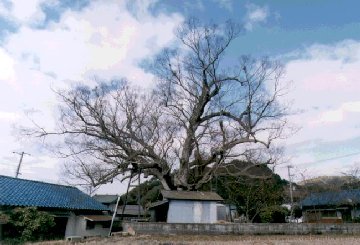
{"x":349,"y":197}
{"x":131,"y":210}
{"x":106,"y":199}
{"x":191,"y":195}
{"x":21,"y":192}
{"x":157,"y":204}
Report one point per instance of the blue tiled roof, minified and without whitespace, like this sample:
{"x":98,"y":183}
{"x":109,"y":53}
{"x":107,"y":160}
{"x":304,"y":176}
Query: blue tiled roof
{"x":348,"y":197}
{"x":21,"y":192}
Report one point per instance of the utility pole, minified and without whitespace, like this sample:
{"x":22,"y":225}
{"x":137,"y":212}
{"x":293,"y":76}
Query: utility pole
{"x":291,"y":192}
{"x":138,"y":194}
{"x":19,"y":165}
{"x":114,"y":214}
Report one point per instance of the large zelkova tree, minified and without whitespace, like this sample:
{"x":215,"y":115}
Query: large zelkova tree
{"x":203,"y":112}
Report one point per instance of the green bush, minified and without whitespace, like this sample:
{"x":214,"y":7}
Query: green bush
{"x":28,"y":224}
{"x":297,"y":211}
{"x":356,"y":220}
{"x":273,"y":214}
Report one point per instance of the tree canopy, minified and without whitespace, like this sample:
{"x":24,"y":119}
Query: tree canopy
{"x":203,"y":112}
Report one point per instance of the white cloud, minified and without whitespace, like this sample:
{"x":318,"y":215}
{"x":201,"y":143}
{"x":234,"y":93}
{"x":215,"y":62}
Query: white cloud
{"x":7,"y":63}
{"x":83,"y":45}
{"x":322,"y":77}
{"x":28,"y":10}
{"x":344,"y":51}
{"x":326,"y":90}
{"x":8,"y":116}
{"x":352,"y":106}
{"x":78,"y":47}
{"x":338,"y":115}
{"x":24,"y":12}
{"x":331,"y":116}
{"x":255,"y":15}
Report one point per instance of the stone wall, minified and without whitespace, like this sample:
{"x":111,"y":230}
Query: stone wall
{"x":242,"y":229}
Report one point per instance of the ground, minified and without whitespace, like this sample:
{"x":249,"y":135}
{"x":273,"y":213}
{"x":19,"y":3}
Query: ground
{"x":215,"y":240}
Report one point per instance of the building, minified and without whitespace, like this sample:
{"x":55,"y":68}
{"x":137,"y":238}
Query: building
{"x":331,"y":207}
{"x":158,"y":211}
{"x":107,"y":200}
{"x":75,"y":213}
{"x":191,"y":206}
{"x":131,"y":212}
{"x":127,"y":212}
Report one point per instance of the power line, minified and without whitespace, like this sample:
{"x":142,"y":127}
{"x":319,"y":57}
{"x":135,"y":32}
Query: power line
{"x":326,"y":159}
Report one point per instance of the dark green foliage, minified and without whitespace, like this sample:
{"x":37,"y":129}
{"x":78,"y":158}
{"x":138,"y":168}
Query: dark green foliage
{"x":273,"y":214}
{"x":149,"y":192}
{"x":28,"y":224}
{"x":356,"y":220}
{"x":297,"y":212}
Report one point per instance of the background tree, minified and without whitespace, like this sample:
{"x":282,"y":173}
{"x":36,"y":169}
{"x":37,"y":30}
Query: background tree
{"x":204,"y":111}
{"x":258,"y":199}
{"x":150,"y":191}
{"x":351,"y":177}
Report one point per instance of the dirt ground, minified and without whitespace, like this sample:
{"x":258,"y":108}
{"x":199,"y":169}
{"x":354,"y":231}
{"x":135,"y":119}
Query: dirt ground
{"x":215,"y":240}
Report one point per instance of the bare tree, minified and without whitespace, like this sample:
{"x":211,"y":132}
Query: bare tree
{"x":203,"y":112}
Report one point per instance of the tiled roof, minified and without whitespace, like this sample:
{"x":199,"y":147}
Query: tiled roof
{"x":21,"y":192}
{"x":106,"y":199}
{"x":348,"y":197}
{"x":191,"y":195}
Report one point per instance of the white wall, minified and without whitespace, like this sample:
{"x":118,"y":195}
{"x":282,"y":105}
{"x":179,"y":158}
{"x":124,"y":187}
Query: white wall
{"x":183,"y":211}
{"x":355,"y":213}
{"x":76,"y":226}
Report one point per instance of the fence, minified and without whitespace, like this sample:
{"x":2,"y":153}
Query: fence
{"x":242,"y":229}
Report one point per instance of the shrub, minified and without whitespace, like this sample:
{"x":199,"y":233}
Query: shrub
{"x":273,"y":214}
{"x":28,"y":224}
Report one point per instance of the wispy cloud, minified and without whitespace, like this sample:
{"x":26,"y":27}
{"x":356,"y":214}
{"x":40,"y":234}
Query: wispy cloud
{"x":255,"y":15}
{"x":339,"y":114}
{"x":344,"y":51}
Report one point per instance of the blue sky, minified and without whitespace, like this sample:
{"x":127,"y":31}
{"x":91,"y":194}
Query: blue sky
{"x":51,"y":44}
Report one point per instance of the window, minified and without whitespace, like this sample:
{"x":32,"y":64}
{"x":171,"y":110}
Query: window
{"x":329,"y":213}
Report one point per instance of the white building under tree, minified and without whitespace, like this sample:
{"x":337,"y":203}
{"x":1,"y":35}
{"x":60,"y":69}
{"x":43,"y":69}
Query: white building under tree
{"x":191,"y":206}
